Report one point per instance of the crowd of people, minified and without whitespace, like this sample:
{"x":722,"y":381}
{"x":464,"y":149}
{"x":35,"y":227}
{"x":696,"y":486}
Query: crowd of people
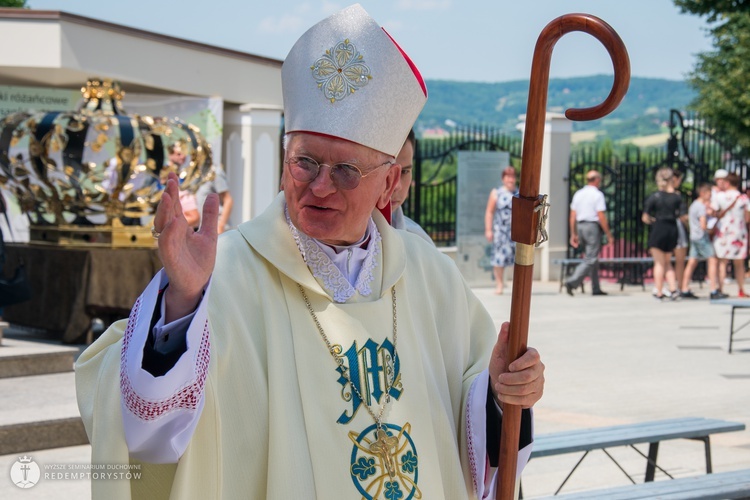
{"x":713,"y":229}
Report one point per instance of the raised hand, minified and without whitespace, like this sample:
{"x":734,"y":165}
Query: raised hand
{"x":188,"y":256}
{"x":521,"y":383}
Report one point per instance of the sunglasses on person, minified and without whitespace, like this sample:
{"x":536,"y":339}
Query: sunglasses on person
{"x":343,"y":175}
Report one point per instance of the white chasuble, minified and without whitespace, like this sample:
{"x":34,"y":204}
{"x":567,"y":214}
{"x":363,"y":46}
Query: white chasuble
{"x":279,"y":419}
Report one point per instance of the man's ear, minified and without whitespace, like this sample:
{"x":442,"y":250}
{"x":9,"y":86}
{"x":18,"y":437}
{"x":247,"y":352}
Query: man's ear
{"x":393,"y":177}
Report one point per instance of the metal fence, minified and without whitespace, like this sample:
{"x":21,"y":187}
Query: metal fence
{"x":693,"y":147}
{"x":432,"y":199}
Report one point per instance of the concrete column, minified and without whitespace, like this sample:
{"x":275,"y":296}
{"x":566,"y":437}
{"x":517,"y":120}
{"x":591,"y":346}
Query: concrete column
{"x":554,"y":183}
{"x":253,"y":160}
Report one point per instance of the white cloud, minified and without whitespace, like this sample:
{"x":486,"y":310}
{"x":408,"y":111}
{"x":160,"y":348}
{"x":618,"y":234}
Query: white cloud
{"x":393,"y":26}
{"x":281,"y":25}
{"x":298,"y":18}
{"x":424,"y":4}
{"x":328,"y":8}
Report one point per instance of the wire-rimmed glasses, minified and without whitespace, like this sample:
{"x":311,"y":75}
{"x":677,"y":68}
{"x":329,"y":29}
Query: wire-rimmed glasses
{"x":343,"y":175}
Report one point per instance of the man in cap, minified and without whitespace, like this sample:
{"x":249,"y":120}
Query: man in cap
{"x":314,"y":353}
{"x":720,"y":179}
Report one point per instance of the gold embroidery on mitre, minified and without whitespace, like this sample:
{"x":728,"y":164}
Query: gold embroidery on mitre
{"x":341,"y":71}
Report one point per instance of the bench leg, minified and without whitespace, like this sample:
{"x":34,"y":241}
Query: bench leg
{"x":618,"y":465}
{"x":571,"y":473}
{"x":651,"y":464}
{"x":653,"y":450}
{"x":563,"y":275}
{"x":731,"y":330}
{"x":707,"y":443}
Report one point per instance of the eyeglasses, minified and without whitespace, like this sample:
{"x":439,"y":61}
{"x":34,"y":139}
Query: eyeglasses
{"x":344,"y":175}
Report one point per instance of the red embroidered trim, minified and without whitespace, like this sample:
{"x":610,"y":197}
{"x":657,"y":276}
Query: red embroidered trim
{"x":186,"y":398}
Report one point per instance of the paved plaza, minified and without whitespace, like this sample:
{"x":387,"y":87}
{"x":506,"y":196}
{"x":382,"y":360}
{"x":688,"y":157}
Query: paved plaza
{"x":628,"y":358}
{"x":610,"y":360}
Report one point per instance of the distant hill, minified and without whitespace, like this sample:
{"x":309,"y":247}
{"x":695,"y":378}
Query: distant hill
{"x":644,"y":111}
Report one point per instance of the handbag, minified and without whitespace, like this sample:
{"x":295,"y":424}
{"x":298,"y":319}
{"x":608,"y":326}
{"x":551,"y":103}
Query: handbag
{"x":18,"y":288}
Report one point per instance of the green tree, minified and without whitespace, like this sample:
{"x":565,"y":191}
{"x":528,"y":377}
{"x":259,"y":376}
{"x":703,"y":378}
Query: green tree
{"x":13,"y":3}
{"x":714,"y":9}
{"x":721,"y":78}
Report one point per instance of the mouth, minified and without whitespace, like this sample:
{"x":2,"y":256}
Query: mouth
{"x":318,"y":208}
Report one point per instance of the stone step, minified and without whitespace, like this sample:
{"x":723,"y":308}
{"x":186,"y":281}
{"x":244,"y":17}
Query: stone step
{"x":39,"y":412}
{"x":20,"y":357}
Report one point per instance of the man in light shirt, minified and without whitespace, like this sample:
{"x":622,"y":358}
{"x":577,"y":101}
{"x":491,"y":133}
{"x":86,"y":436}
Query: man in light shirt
{"x":588,"y":221}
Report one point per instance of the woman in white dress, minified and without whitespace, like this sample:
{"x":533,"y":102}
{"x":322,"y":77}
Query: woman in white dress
{"x":730,"y":242}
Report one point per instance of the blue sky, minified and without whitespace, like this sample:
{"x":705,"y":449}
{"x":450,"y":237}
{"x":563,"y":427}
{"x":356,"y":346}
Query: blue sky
{"x":466,"y":40}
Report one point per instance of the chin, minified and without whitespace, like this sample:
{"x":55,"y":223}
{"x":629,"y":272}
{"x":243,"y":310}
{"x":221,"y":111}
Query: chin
{"x":316,"y":229}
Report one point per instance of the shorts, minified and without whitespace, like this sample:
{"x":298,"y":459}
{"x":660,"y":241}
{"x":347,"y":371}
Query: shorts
{"x":663,"y":235}
{"x":702,"y":248}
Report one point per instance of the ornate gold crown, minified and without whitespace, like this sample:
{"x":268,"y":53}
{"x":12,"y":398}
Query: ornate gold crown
{"x":96,"y":166}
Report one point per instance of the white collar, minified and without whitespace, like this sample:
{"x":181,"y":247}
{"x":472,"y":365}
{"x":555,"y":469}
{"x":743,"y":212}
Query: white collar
{"x":343,"y":270}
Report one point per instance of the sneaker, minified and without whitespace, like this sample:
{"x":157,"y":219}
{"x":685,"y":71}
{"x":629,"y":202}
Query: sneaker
{"x":716,"y":295}
{"x":599,"y":292}
{"x":688,"y":295}
{"x":675,"y":296}
{"x":659,"y":298}
{"x":741,"y":294}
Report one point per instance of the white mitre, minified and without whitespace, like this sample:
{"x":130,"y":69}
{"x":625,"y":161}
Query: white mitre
{"x":347,"y":78}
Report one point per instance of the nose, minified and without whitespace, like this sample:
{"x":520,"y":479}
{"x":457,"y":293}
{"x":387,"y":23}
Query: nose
{"x":323,"y":185}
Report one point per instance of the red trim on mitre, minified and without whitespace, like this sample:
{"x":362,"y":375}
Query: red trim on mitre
{"x":411,"y":64}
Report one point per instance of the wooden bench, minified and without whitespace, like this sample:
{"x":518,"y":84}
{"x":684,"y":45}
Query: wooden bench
{"x":719,"y":486}
{"x":736,"y":304}
{"x":641,"y":265}
{"x":653,"y":432}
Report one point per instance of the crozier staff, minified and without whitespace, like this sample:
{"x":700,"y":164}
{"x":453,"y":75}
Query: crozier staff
{"x":316,"y":352}
{"x":529,"y":207}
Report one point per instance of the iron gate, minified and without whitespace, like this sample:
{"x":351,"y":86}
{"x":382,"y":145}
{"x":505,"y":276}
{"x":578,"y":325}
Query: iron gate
{"x":693,"y":148}
{"x":432,"y":198}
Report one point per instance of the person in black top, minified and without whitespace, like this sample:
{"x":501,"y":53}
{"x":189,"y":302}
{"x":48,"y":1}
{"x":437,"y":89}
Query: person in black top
{"x":661,"y":211}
